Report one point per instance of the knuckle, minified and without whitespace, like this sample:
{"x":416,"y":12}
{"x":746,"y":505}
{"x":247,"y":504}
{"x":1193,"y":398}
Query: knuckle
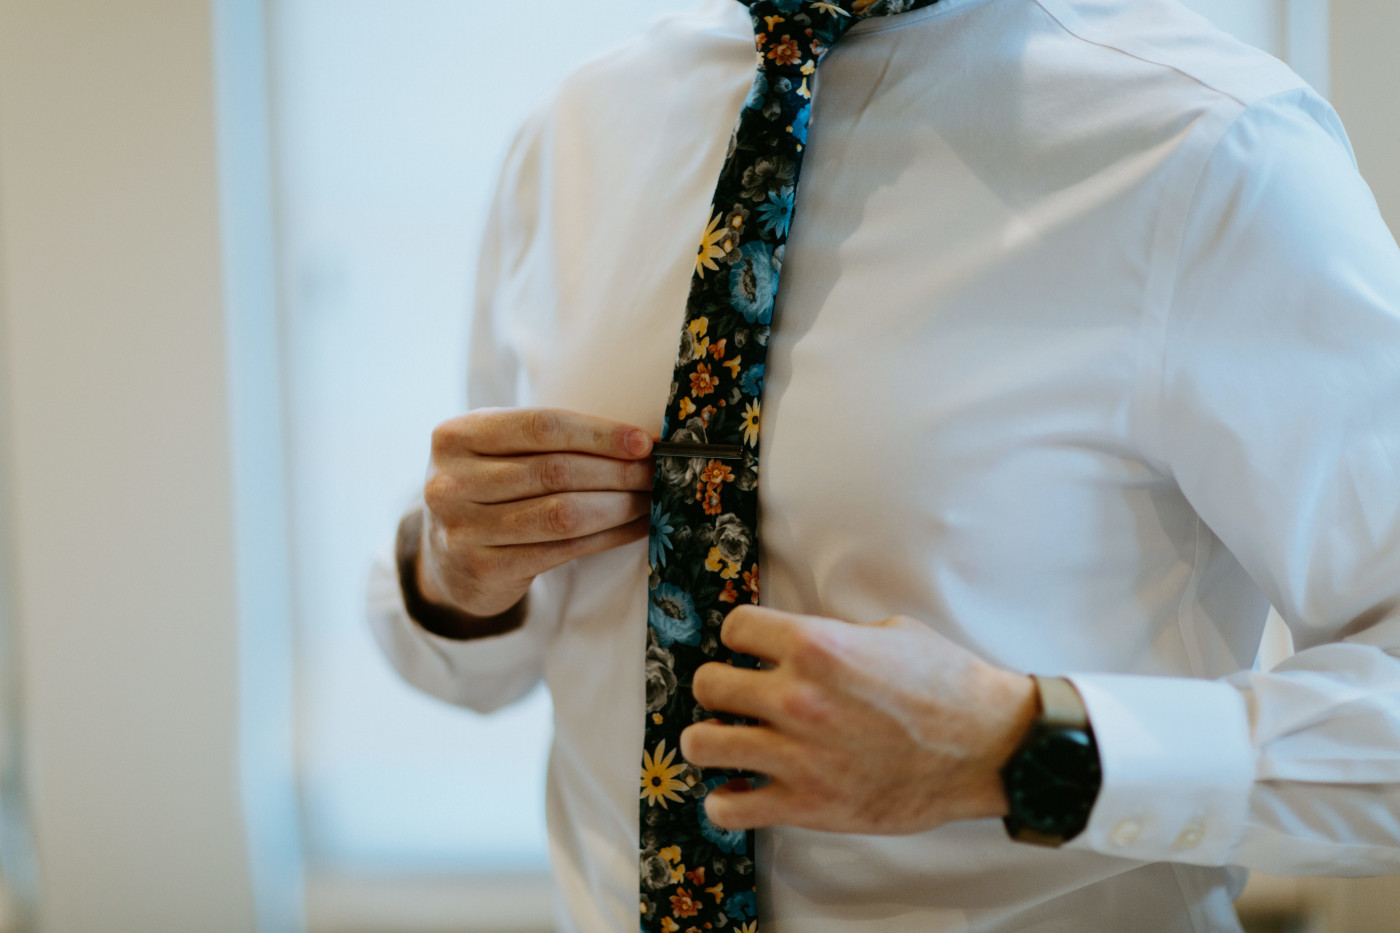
{"x":540,"y":426}
{"x":451,"y":433}
{"x":444,"y":435}
{"x":479,"y":563}
{"x":555,"y":473}
{"x":561,"y":516}
{"x":812,"y":649}
{"x":440,"y":492}
{"x":804,"y":703}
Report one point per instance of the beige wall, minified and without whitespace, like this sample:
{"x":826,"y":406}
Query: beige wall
{"x":118,"y":473}
{"x":1366,"y":92}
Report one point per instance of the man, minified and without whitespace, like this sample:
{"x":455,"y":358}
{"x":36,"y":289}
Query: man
{"x":1087,"y":351}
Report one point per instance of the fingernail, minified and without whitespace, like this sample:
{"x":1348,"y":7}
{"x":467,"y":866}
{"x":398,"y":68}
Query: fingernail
{"x":637,"y":443}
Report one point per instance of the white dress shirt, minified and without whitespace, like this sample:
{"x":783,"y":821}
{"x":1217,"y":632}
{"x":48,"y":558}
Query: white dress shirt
{"x":1087,"y":351}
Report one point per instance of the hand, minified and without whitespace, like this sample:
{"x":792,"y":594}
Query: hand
{"x":512,"y":493}
{"x":885,"y":728}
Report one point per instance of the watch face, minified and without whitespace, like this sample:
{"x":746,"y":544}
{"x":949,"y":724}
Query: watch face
{"x":1052,"y":782}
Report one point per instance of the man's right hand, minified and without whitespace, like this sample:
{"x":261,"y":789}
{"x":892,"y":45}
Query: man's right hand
{"x":512,"y":493}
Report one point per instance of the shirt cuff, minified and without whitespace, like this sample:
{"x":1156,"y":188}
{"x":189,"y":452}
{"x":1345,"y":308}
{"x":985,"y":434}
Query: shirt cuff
{"x":1178,"y":767}
{"x":481,"y":673}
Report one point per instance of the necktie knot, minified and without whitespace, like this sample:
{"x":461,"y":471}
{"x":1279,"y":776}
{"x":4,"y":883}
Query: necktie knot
{"x":792,"y":36}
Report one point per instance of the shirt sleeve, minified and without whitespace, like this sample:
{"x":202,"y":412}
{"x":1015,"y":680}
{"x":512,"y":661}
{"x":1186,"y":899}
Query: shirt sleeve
{"x":483,"y":674}
{"x":1278,"y":414}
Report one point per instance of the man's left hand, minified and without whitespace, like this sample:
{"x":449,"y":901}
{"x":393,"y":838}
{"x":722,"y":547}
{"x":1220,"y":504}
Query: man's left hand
{"x":883,"y":728}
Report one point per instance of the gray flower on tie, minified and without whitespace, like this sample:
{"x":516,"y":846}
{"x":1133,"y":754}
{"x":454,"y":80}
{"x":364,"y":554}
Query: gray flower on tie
{"x":656,"y":873}
{"x":661,"y":674}
{"x":732,"y":538}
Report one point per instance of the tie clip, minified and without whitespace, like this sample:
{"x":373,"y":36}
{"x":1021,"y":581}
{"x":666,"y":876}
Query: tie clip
{"x":704,"y":451}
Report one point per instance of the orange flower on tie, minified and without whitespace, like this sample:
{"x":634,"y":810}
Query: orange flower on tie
{"x":716,"y":472}
{"x":710,"y":500}
{"x":785,"y":52}
{"x":751,"y":582}
{"x":701,"y":381}
{"x":683,"y":905}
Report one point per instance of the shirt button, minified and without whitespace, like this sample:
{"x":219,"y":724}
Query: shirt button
{"x":1125,"y":833}
{"x":1190,"y":837}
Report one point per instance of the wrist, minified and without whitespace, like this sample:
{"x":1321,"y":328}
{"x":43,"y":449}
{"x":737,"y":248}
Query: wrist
{"x":1014,"y":699}
{"x":1052,"y":779}
{"x":425,"y":603}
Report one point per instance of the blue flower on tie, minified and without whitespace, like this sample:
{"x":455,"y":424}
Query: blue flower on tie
{"x":753,"y":281}
{"x":673,"y":617}
{"x":729,"y":840}
{"x":751,"y":383}
{"x":776,"y":214}
{"x":660,"y":541}
{"x":800,"y":122}
{"x":740,"y":904}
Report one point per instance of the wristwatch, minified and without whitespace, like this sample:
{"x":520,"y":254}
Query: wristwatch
{"x":1053,"y":778}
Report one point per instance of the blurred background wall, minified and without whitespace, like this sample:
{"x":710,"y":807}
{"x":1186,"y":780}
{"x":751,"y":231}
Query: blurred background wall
{"x":214,"y":381}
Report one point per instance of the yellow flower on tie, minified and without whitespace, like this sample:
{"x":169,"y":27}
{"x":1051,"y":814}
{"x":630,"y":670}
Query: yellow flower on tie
{"x":727,"y":569}
{"x":717,"y":891}
{"x":669,"y":926}
{"x":671,"y":854}
{"x":833,"y":9}
{"x":750,"y":927}
{"x":751,"y":423}
{"x":659,"y":778}
{"x":709,"y":247}
{"x":687,"y":407}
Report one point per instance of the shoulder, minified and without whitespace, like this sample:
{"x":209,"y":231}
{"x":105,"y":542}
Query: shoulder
{"x":672,"y":58}
{"x":1189,"y":51}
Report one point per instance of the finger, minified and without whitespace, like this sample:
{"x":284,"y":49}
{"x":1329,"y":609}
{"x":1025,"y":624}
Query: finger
{"x":727,"y":689}
{"x":558,"y":517}
{"x":763,"y":633}
{"x":732,"y":807}
{"x":510,"y":479}
{"x":713,"y":744}
{"x":507,"y":431}
{"x":526,"y":561}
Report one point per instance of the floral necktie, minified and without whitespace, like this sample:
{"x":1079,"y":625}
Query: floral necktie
{"x":704,"y":513}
